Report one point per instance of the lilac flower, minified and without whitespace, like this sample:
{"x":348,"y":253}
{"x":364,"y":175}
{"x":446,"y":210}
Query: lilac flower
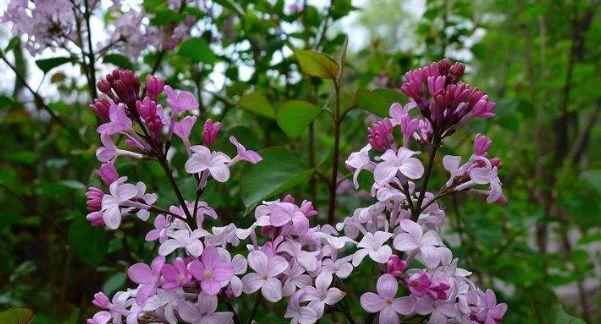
{"x":395,"y":266}
{"x":114,"y":310}
{"x":322,"y":294}
{"x":180,"y":100}
{"x":420,"y":285}
{"x":300,"y":314}
{"x":283,"y":213}
{"x":215,"y":162}
{"x":481,"y":144}
{"x":120,"y":192}
{"x":110,"y":151}
{"x":119,"y":122}
{"x":264,"y":278}
{"x":244,"y":154}
{"x":295,"y":278}
{"x":379,"y":135}
{"x":484,"y":307}
{"x":401,"y":161}
{"x":210,"y":130}
{"x":413,"y":239}
{"x":147,"y":277}
{"x":342,"y":267}
{"x":235,"y":286}
{"x":183,"y":238}
{"x":211,"y":272}
{"x":176,"y":274}
{"x":306,"y":259}
{"x":183,"y":128}
{"x":372,"y":244}
{"x":101,"y":108}
{"x":94,"y":199}
{"x":107,"y":173}
{"x":384,"y":302}
{"x":359,"y":161}
{"x":167,"y":301}
{"x":154,"y":86}
{"x":204,"y":311}
{"x":161,"y":224}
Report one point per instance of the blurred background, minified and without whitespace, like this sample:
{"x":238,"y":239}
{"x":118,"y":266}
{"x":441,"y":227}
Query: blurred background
{"x":539,"y":60}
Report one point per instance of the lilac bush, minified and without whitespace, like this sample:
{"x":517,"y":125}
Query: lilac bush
{"x":285,"y":257}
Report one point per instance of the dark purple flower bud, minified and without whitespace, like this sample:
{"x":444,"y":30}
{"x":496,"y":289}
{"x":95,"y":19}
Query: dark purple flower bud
{"x":210,"y":130}
{"x":481,"y":145}
{"x":95,"y":219}
{"x":104,"y":86}
{"x":146,"y":108}
{"x":484,"y":108}
{"x":101,"y":108}
{"x":395,"y":266}
{"x":379,"y":135}
{"x":94,"y":199}
{"x":154,"y":86}
{"x":107,"y":173}
{"x":496,"y":162}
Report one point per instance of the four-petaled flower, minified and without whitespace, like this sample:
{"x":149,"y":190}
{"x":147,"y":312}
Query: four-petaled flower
{"x":373,"y":244}
{"x":147,"y":277}
{"x":414,"y":239}
{"x":215,"y":162}
{"x":211,"y":272}
{"x":385,"y":301}
{"x":401,"y":161}
{"x":264,"y":278}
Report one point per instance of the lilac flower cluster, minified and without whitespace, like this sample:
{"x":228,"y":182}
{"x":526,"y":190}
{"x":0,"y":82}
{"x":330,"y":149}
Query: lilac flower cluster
{"x":286,"y":258}
{"x":403,"y":226}
{"x":60,"y":23}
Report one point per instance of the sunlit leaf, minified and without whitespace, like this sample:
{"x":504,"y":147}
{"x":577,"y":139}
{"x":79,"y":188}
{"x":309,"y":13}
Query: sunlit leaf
{"x":197,"y":50}
{"x":258,"y":104}
{"x":118,"y":60}
{"x":317,"y":64}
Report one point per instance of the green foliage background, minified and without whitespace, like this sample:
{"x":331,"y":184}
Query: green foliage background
{"x":537,"y":59}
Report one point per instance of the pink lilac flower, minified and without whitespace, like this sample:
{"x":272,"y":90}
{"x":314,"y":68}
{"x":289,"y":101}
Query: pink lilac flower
{"x":384,"y":302}
{"x":481,"y":144}
{"x":264,"y":278}
{"x":183,"y":128}
{"x":167,"y":302}
{"x":244,"y":154}
{"x":401,"y":161}
{"x":210,"y":130}
{"x":413,"y":239}
{"x":120,"y":192}
{"x":395,"y":266}
{"x":358,"y":161}
{"x":342,"y":267}
{"x":284,"y":213}
{"x":210,"y":271}
{"x":107,"y":173}
{"x":154,"y":86}
{"x":180,"y":100}
{"x":161,"y":224}
{"x":485,"y":308}
{"x":420,"y":284}
{"x":373,"y":244}
{"x":215,"y":162}
{"x":300,"y":314}
{"x":101,"y":108}
{"x":322,"y":295}
{"x":114,"y":310}
{"x":118,"y":121}
{"x":183,"y":238}
{"x":379,"y":135}
{"x":147,"y":277}
{"x":295,"y":278}
{"x":235,"y":286}
{"x":176,"y":274}
{"x":204,"y":311}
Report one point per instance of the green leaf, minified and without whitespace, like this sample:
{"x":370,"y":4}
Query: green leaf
{"x":118,"y":60}
{"x":317,"y":64}
{"x":50,"y":63}
{"x":377,"y":101}
{"x":197,"y":50}
{"x":279,"y":171}
{"x":5,"y":101}
{"x":113,"y":284}
{"x":11,"y":44}
{"x":258,"y":104}
{"x":564,"y":318}
{"x":295,"y":115}
{"x":16,"y":315}
{"x":87,"y":242}
{"x":166,"y":17}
